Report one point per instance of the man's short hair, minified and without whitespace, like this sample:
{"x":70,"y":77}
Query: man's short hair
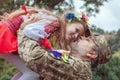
{"x":104,"y":52}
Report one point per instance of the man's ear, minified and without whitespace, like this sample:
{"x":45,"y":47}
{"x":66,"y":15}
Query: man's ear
{"x":91,"y":55}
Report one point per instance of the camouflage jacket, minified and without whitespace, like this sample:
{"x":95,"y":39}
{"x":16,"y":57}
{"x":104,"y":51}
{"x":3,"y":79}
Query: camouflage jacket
{"x":49,"y":68}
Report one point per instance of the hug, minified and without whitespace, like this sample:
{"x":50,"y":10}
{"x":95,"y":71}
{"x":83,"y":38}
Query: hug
{"x":36,"y":35}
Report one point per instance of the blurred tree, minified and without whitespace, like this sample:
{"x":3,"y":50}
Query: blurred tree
{"x":96,"y":29}
{"x":115,"y":42}
{"x":109,"y":71}
{"x":113,"y":37}
{"x":6,"y":70}
{"x":91,"y":6}
{"x":118,"y":34}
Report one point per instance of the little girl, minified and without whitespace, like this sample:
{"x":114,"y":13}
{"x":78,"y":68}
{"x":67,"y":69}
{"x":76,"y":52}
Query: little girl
{"x":73,"y":26}
{"x":41,"y":30}
{"x":9,"y":45}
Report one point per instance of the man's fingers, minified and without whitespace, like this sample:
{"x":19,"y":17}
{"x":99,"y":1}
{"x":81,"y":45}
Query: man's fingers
{"x":63,"y":51}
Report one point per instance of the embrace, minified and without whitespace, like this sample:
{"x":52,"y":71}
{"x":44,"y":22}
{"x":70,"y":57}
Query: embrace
{"x":53,"y":47}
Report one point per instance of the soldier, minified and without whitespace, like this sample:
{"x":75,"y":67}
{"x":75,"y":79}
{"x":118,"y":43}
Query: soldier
{"x":50,"y":68}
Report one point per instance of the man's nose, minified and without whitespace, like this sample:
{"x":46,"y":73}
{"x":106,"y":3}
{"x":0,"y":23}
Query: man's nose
{"x":76,"y":35}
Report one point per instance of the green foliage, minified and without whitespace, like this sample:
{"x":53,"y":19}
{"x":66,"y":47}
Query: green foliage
{"x":96,"y":29}
{"x":114,"y":42}
{"x":118,"y":33}
{"x":117,"y":54}
{"x":58,"y":5}
{"x":9,"y":5}
{"x":95,"y":6}
{"x":6,"y":70}
{"x":108,"y":71}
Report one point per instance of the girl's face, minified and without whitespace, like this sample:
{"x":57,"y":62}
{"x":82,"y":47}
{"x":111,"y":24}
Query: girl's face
{"x":73,"y":30}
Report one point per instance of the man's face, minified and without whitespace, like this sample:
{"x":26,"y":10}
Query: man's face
{"x":73,"y":30}
{"x":83,"y":46}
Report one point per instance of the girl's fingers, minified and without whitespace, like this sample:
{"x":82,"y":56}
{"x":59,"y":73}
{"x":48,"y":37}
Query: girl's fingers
{"x":63,"y":51}
{"x":36,"y":18}
{"x":31,"y":10}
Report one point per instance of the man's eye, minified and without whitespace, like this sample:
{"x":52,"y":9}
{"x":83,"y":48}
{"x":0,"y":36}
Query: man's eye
{"x":77,"y":30}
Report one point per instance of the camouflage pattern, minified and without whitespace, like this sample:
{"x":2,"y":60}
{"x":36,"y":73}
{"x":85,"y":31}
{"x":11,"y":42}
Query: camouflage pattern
{"x":104,"y":53}
{"x":49,"y":68}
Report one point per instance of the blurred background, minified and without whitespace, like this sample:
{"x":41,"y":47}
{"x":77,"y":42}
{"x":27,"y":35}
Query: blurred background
{"x":104,"y":19}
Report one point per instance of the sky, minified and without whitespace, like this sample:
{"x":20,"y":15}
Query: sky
{"x":109,"y":16}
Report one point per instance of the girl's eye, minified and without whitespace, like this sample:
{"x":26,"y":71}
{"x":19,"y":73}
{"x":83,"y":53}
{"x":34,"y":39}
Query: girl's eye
{"x":94,"y":48}
{"x":71,"y":34}
{"x":87,"y":39}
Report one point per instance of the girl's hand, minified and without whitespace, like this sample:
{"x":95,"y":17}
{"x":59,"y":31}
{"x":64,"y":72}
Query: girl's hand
{"x":31,"y":10}
{"x":18,"y":12}
{"x":64,"y":52}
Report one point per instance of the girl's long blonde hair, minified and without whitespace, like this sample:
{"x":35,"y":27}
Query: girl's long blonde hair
{"x":63,"y":43}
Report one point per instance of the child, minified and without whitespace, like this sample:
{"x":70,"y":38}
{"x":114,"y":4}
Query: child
{"x":41,"y":30}
{"x":9,"y":46}
{"x":41,"y":62}
{"x":73,"y":27}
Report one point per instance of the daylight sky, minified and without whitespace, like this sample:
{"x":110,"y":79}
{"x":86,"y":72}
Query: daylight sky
{"x":109,"y":16}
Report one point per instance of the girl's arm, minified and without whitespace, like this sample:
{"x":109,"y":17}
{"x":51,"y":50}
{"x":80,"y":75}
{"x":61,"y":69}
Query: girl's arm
{"x":35,"y":27}
{"x":22,"y":12}
{"x":36,"y":32}
{"x":47,"y":16}
{"x":33,"y":31}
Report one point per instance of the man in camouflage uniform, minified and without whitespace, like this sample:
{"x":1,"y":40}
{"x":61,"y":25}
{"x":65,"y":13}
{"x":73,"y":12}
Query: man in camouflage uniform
{"x":49,"y":68}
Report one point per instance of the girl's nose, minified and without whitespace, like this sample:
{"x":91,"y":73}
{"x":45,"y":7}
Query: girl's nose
{"x":82,"y":37}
